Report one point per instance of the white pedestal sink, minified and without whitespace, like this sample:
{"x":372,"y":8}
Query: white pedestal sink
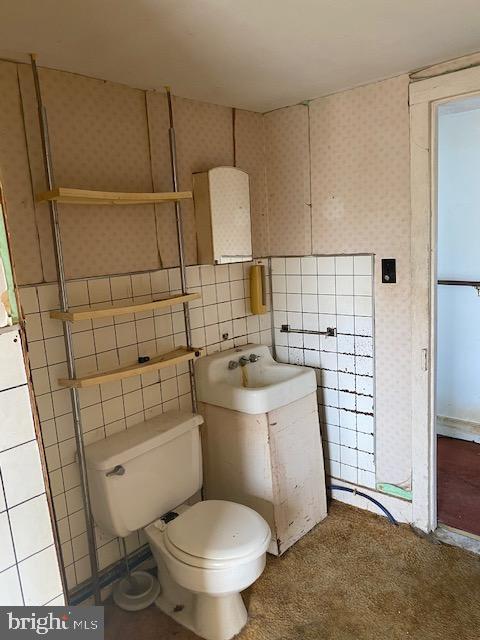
{"x":261,"y":440}
{"x":257,"y":387}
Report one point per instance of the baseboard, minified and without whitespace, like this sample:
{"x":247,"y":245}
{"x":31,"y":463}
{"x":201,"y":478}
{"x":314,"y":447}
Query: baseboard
{"x":457,"y":538}
{"x":400,"y":509}
{"x":458,"y":428}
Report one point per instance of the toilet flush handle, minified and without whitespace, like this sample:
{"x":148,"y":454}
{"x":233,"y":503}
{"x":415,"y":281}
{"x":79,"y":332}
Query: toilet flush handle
{"x":116,"y":471}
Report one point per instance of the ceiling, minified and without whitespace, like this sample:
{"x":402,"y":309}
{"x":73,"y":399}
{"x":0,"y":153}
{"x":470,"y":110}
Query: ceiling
{"x":251,"y":54}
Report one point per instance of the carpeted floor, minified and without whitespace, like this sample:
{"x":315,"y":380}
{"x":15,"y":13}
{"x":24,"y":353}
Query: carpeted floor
{"x":354,"y":577}
{"x":458,"y":479}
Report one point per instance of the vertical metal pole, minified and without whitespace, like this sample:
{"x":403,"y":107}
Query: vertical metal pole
{"x":181,"y":250}
{"x":67,"y":332}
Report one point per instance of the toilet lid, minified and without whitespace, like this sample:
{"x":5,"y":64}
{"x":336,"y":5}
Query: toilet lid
{"x":218,"y":530}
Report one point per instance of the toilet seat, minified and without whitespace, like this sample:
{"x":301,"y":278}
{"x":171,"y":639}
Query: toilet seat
{"x":215,"y":534}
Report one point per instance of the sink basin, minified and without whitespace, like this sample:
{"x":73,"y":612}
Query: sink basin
{"x":258,"y":387}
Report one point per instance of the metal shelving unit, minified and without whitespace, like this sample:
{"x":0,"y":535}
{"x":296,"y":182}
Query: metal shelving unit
{"x":55,"y":195}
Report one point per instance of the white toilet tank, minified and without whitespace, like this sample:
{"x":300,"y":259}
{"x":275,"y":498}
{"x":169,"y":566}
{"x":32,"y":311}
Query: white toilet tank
{"x":137,"y":475}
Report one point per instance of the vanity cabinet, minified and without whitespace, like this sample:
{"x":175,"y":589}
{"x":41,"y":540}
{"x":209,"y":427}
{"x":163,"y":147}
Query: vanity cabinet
{"x":271,"y":462}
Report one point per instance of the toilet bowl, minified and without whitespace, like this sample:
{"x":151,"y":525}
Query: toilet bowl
{"x":208,"y":552}
{"x":205,"y":557}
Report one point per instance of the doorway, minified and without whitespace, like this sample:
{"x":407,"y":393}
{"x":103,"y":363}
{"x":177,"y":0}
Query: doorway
{"x":428,"y":98}
{"x":458,"y":314}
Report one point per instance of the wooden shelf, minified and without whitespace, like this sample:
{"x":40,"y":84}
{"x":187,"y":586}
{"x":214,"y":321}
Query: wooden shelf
{"x":107,"y":311}
{"x":82,"y":196}
{"x":177,"y":356}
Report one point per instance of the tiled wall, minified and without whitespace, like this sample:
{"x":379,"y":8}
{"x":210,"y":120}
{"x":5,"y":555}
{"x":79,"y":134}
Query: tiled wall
{"x":314,"y":293}
{"x":29,"y":573}
{"x":108,"y":343}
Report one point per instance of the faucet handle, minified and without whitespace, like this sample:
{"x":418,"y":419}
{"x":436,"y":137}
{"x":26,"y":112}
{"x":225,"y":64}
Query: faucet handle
{"x":253,"y":357}
{"x":233,"y":364}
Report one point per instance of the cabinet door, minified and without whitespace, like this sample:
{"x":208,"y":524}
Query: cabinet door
{"x":236,"y":457}
{"x":298,"y":473}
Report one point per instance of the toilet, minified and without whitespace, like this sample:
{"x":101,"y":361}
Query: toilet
{"x":206,"y":553}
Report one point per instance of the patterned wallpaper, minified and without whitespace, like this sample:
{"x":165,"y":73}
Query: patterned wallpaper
{"x":361,"y":203}
{"x":288,"y":181}
{"x":111,"y":137}
{"x":250,"y":156}
{"x":204,"y":140}
{"x":15,"y":179}
{"x":158,"y":124}
{"x":99,"y":140}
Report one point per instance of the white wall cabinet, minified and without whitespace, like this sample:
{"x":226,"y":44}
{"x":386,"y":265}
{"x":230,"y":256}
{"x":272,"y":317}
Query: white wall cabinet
{"x":222,"y":215}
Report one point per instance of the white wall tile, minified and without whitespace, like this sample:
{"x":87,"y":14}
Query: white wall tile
{"x":33,"y":327}
{"x":159,"y":281}
{"x":99,"y":290}
{"x":310,"y":303}
{"x":278,"y":265}
{"x":366,"y":461}
{"x":348,"y":438}
{"x":308,"y":265}
{"x":348,"y":473}
{"x":10,"y":592}
{"x":363,"y":265}
{"x":40,"y":577}
{"x":345,"y":305}
{"x":21,"y":473}
{"x":12,"y":369}
{"x":326,"y":304}
{"x":363,"y":326}
{"x":55,"y":349}
{"x":348,"y":419}
{"x":29,"y":300}
{"x":344,"y":265}
{"x":294,"y":284}
{"x":363,"y":305}
{"x":292,"y":266}
{"x":326,"y":265}
{"x":365,"y":423}
{"x":15,"y":417}
{"x":48,"y":297}
{"x":77,"y":292}
{"x":293,"y":302}
{"x":235,"y":271}
{"x":33,"y":513}
{"x":326,"y":284}
{"x":366,"y":442}
{"x":344,"y":285}
{"x":363,"y":285}
{"x":7,"y":556}
{"x":348,"y":455}
{"x":345,"y":323}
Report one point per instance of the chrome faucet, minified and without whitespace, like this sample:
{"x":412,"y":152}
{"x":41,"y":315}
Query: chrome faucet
{"x":244,"y":360}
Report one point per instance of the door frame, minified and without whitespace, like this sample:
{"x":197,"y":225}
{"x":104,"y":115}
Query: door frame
{"x":424,"y":98}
